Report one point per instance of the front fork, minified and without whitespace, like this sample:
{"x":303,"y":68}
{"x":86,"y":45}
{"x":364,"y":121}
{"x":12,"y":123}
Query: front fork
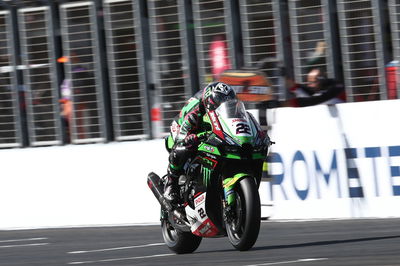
{"x":230,"y":196}
{"x":229,"y":185}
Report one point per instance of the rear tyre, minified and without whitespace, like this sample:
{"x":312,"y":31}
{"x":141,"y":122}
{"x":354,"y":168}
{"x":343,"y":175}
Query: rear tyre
{"x":178,"y":241}
{"x":243,"y":230}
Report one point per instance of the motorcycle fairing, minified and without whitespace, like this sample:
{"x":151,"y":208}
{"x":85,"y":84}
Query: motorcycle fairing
{"x":201,"y":224}
{"x":200,"y":172}
{"x":216,"y":126}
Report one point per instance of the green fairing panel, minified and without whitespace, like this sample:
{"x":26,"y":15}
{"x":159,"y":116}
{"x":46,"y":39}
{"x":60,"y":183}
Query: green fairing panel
{"x":170,"y":142}
{"x":243,"y":140}
{"x":233,"y":156}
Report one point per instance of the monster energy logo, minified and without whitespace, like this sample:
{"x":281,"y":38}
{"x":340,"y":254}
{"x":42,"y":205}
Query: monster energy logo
{"x":206,"y":175}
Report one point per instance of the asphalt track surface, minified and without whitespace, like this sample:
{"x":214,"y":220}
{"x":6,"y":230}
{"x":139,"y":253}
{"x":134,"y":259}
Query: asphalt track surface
{"x":337,"y":242}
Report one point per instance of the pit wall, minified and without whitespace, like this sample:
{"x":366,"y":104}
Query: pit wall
{"x":338,"y":161}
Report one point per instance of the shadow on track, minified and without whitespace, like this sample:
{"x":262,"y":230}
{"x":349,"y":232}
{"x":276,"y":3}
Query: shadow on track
{"x":309,"y":244}
{"x":327,"y":242}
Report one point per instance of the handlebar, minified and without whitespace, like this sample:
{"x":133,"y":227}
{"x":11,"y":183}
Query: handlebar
{"x":204,"y":135}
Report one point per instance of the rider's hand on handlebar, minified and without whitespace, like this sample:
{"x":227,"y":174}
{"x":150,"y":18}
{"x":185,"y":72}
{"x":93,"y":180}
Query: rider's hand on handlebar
{"x":203,"y":136}
{"x":191,"y":140}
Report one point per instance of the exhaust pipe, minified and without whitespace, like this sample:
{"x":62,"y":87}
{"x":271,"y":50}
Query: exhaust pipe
{"x":156,"y":186}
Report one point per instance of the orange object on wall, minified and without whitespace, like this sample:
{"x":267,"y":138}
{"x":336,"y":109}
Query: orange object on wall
{"x":250,"y":86}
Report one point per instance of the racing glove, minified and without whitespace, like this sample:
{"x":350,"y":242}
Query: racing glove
{"x":191,"y":141}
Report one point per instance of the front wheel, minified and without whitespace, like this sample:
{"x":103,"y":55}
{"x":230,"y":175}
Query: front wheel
{"x":178,"y":241}
{"x":243,"y":229}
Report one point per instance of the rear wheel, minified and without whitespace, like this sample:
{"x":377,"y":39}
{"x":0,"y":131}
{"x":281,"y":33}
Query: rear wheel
{"x":178,"y":241}
{"x":244,"y":227}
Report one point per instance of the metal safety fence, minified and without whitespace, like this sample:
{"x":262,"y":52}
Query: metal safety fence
{"x":311,"y":37}
{"x":170,"y":73}
{"x":214,"y":38}
{"x":260,"y":32}
{"x":126,"y":65}
{"x":392,"y":71}
{"x":40,"y":78}
{"x":10,"y":113}
{"x":362,"y":49}
{"x":83,"y":76}
{"x":112,"y":70}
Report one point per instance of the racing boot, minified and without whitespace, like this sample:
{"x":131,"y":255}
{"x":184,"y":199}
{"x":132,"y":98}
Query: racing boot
{"x":171,"y":187}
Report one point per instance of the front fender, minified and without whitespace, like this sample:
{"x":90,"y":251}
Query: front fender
{"x":229,"y":183}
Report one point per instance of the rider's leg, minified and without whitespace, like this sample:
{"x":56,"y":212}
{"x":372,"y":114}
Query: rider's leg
{"x":171,"y":184}
{"x":178,"y":156}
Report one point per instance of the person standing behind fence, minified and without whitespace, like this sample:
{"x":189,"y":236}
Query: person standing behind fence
{"x":73,"y":105}
{"x":318,"y":90}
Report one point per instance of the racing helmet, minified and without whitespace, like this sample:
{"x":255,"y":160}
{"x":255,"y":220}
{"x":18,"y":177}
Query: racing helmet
{"x":216,"y":93}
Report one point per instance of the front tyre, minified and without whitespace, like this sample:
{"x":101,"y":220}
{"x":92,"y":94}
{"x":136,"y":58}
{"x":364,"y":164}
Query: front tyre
{"x":178,"y":241}
{"x":244,"y":228}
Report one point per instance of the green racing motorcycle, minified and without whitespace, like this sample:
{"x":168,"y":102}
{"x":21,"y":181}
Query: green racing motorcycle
{"x":219,"y":191}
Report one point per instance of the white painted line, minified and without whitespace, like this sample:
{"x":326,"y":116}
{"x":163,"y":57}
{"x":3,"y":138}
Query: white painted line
{"x":23,"y":239}
{"x":119,"y":259}
{"x":288,"y":262}
{"x":116,"y":248}
{"x":24,"y":245}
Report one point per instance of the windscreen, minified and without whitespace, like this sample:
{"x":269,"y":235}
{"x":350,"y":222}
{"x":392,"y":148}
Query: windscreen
{"x":232,"y":109}
{"x":235,"y":121}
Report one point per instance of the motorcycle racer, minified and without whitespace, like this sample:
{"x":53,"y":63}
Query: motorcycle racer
{"x":185,"y":128}
{"x":217,"y":193}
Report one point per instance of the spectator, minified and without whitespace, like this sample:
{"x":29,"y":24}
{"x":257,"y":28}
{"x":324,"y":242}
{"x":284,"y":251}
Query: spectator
{"x":66,"y":107}
{"x":318,"y":90}
{"x":317,"y":58}
{"x":77,"y":96}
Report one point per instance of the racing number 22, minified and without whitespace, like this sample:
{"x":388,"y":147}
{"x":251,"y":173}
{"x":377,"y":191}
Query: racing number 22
{"x":201,"y":213}
{"x":242,"y":128}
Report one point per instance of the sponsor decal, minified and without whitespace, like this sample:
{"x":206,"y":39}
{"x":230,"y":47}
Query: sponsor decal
{"x":216,"y":125}
{"x":206,"y":229}
{"x":200,"y":199}
{"x":239,"y":120}
{"x":209,"y":148}
{"x":215,"y":122}
{"x":349,"y":173}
